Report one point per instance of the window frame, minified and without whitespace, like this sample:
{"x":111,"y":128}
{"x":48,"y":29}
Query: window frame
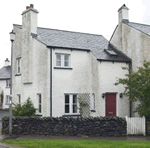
{"x":8,"y":83}
{"x":71,"y":105}
{"x":93,"y":102}
{"x":18,"y":65}
{"x":19,"y":98}
{"x":7,"y":99}
{"x":39,"y":103}
{"x":62,"y":60}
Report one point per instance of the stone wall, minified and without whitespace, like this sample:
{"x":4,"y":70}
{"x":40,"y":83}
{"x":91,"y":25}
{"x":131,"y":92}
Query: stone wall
{"x":94,"y":126}
{"x":147,"y":126}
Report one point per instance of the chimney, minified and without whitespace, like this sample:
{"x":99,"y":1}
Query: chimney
{"x":29,"y":19}
{"x":123,"y":14}
{"x":7,"y":62}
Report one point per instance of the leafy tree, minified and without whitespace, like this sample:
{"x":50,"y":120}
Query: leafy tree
{"x":137,"y":88}
{"x":2,"y":97}
{"x":27,"y":109}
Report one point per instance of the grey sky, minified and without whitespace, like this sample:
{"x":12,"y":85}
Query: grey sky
{"x":89,"y":16}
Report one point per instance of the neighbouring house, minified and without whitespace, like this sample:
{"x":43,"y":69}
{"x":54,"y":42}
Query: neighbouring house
{"x":67,"y":73}
{"x":133,"y":39}
{"x":5,"y":73}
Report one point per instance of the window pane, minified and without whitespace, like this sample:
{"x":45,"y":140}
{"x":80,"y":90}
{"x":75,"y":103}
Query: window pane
{"x":39,"y":98}
{"x":74,"y":98}
{"x":58,"y":57}
{"x":66,"y":57}
{"x":66,"y":98}
{"x":58,"y":63}
{"x":66,"y":60}
{"x":66,"y":63}
{"x":74,"y":108}
{"x":39,"y":108}
{"x":66,"y":108}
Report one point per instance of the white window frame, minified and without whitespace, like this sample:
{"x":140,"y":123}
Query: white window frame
{"x":7,"y":83}
{"x":18,"y":65}
{"x":62,"y":55}
{"x":7,"y":101}
{"x":71,"y":105}
{"x":93,"y":101}
{"x":39,"y":103}
{"x":19,"y":98}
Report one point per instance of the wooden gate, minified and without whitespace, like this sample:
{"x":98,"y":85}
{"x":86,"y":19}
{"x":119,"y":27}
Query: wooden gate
{"x":135,"y":125}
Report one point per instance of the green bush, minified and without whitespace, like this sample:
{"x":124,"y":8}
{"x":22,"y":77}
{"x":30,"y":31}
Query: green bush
{"x":27,"y":109}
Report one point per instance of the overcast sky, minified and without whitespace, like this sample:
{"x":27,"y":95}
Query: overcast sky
{"x":89,"y":16}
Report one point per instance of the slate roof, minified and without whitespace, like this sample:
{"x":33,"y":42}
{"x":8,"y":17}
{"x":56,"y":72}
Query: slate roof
{"x":141,"y":27}
{"x":81,"y":41}
{"x":5,"y":72}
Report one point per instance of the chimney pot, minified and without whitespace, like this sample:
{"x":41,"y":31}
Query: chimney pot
{"x":27,"y":7}
{"x":31,"y":6}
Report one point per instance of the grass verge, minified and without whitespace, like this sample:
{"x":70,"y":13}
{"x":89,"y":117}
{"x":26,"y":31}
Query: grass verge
{"x":77,"y":143}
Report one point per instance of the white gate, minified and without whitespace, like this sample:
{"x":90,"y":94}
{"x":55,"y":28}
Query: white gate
{"x":135,"y":125}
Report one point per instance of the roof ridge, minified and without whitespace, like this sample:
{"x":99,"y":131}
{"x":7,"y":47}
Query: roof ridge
{"x":64,"y":30}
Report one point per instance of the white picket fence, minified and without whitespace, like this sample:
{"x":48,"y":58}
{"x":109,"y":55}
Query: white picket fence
{"x":135,"y":125}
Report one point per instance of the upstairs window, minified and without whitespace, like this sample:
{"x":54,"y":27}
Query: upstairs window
{"x":7,"y":83}
{"x":18,"y":65}
{"x":7,"y":100}
{"x":62,"y":60}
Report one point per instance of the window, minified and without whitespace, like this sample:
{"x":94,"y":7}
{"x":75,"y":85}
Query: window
{"x":7,"y":83}
{"x":7,"y":100}
{"x":63,"y":60}
{"x":18,"y":65}
{"x":71,"y":105}
{"x":93,"y":102}
{"x":19,"y":98}
{"x":39,"y":103}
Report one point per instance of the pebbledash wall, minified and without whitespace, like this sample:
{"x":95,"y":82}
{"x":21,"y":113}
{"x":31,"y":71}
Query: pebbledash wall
{"x":96,"y":126}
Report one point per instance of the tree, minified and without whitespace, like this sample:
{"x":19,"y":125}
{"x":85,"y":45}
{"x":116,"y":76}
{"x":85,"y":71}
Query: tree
{"x":27,"y":109}
{"x":137,"y":88}
{"x":2,"y":98}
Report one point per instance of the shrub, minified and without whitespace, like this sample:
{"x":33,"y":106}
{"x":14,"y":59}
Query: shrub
{"x":27,"y":109}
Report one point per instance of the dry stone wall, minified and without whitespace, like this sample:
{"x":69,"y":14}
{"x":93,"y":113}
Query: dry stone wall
{"x":61,"y":126}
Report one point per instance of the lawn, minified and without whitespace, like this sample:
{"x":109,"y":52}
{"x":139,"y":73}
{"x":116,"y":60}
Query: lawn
{"x":77,"y":143}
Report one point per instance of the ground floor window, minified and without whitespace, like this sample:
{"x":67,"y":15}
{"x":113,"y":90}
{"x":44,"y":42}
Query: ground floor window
{"x":39,"y":102}
{"x":71,"y":105}
{"x":7,"y":99}
{"x":19,"y":98}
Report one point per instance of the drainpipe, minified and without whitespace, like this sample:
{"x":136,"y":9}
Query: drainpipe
{"x":130,"y":103}
{"x":51,"y":82}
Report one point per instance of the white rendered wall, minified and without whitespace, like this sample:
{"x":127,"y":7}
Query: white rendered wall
{"x":6,"y":91}
{"x":108,"y":74}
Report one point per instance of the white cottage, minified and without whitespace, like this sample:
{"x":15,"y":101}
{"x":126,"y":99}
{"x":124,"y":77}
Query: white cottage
{"x":133,"y":39}
{"x":5,"y":72}
{"x":63,"y":71}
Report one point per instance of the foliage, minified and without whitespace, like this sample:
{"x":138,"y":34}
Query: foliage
{"x":27,"y":109}
{"x":137,"y":88}
{"x":1,"y":97}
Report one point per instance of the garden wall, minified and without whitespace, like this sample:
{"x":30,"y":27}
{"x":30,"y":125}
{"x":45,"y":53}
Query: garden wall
{"x":93,"y":126}
{"x":147,"y":126}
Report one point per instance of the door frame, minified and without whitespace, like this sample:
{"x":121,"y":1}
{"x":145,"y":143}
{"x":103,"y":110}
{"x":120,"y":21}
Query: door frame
{"x":116,"y":100}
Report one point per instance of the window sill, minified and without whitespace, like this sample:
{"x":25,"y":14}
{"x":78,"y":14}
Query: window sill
{"x":69,"y":68}
{"x":7,"y":87}
{"x":93,"y":110}
{"x":39,"y":114}
{"x":71,"y":115}
{"x":18,"y":74}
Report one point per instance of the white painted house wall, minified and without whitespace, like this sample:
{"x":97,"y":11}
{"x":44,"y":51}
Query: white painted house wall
{"x":6,"y":91}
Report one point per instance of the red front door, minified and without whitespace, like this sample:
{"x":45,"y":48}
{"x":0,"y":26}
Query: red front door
{"x":110,"y":105}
